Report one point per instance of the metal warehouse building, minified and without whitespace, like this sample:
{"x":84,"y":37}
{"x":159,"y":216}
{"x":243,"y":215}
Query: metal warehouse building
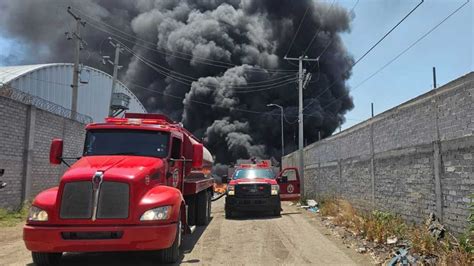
{"x":52,"y":82}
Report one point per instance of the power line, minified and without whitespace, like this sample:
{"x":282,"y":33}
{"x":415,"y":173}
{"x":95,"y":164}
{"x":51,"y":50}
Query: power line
{"x":370,"y":49}
{"x":296,"y":33}
{"x":401,"y":53}
{"x":317,"y":31}
{"x":386,"y":34}
{"x":185,"y":81}
{"x":202,"y":60}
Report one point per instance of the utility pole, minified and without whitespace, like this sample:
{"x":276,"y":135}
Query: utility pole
{"x":282,"y":131}
{"x":114,"y":76}
{"x":77,"y":49}
{"x":434,"y":78}
{"x":372,"y":109}
{"x":300,"y":115}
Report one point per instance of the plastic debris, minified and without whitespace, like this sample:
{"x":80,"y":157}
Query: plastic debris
{"x":392,"y":240}
{"x":313,"y":209}
{"x":291,"y":204}
{"x":311,"y":203}
{"x":400,"y":257}
{"x":361,"y":250}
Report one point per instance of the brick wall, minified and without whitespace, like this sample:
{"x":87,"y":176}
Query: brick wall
{"x":25,"y":136}
{"x":413,"y":159}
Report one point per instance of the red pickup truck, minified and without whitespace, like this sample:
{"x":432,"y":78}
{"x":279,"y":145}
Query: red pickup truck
{"x":255,"y":187}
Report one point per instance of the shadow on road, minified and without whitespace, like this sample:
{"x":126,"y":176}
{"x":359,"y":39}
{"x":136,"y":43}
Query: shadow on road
{"x":243,"y":216}
{"x":138,"y":258}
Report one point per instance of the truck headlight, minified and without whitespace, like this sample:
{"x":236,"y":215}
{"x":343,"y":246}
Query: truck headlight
{"x":230,"y":190}
{"x":38,"y":215}
{"x":275,"y":189}
{"x":160,"y":213}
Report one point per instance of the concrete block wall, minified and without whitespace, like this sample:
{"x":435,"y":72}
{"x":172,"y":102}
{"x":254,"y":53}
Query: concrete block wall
{"x":413,"y":159}
{"x":25,"y":137}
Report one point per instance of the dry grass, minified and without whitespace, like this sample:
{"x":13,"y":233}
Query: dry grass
{"x":378,"y":226}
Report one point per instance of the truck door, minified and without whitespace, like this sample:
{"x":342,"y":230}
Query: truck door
{"x":175,"y":173}
{"x":289,"y":181}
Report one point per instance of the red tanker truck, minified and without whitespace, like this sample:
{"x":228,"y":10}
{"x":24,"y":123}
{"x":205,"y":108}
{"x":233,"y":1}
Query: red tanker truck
{"x":141,"y":183}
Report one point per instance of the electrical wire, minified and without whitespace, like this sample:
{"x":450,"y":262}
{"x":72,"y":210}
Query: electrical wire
{"x":317,"y":31}
{"x":202,"y":60}
{"x":401,"y":53}
{"x":188,"y":82}
{"x":388,"y":33}
{"x":296,"y":33}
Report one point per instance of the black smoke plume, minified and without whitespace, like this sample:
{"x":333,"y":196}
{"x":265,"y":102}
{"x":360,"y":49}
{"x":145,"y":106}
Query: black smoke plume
{"x":227,"y":47}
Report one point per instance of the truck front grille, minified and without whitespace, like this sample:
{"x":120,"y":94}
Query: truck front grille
{"x":252,"y":190}
{"x":77,"y":200}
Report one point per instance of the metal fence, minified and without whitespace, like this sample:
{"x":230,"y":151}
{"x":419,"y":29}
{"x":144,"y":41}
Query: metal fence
{"x":26,"y":98}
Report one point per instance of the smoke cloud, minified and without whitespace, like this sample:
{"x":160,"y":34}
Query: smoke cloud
{"x":227,"y":47}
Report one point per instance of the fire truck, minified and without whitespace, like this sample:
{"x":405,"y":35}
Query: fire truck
{"x":142,"y":182}
{"x":254,"y":186}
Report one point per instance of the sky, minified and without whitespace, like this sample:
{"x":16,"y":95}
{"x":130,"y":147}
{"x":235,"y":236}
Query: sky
{"x":449,"y":48}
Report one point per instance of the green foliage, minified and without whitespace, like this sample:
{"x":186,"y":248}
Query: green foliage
{"x":12,"y":218}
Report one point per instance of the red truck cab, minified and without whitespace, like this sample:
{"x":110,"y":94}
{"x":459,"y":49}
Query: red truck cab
{"x":256,"y":187}
{"x":141,"y":182}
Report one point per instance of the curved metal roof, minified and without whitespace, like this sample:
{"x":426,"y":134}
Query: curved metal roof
{"x":52,"y":82}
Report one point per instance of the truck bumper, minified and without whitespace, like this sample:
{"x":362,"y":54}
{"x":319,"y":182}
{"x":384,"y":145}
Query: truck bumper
{"x":98,"y":239}
{"x":252,"y":204}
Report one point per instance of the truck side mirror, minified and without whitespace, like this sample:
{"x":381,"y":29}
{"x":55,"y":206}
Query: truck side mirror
{"x":2,"y":172}
{"x":56,"y":151}
{"x":197,"y":155}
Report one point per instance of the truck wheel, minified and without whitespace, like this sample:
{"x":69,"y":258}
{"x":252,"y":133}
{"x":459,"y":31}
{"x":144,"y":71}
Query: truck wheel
{"x":203,"y":208}
{"x":171,"y":254}
{"x":228,"y":214}
{"x":45,"y":259}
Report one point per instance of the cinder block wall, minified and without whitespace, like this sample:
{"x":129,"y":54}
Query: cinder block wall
{"x":413,"y":159}
{"x":25,"y":136}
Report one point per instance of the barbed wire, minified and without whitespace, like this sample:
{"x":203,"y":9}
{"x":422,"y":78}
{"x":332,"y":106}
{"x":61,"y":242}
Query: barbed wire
{"x":15,"y":94}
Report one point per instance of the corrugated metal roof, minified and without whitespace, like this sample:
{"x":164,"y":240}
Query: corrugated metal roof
{"x":52,"y":82}
{"x":9,"y":73}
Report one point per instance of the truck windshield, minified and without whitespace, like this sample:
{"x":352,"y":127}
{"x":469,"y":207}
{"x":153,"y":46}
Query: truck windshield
{"x":126,"y":142}
{"x":254,"y":173}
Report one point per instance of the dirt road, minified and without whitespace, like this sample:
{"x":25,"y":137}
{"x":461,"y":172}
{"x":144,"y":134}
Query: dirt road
{"x":295,"y":238}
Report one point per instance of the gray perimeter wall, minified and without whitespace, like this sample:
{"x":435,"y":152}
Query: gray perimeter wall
{"x":411,"y":160}
{"x":25,"y":136}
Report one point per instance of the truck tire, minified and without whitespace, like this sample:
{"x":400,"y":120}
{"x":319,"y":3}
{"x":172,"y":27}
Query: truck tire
{"x":203,"y":208}
{"x":277,"y":212}
{"x":171,"y":254}
{"x":228,"y":214}
{"x":46,"y":259}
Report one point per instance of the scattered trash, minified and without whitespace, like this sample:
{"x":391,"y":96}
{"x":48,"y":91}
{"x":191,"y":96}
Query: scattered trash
{"x":392,"y":240}
{"x":311,"y":203}
{"x":361,"y":250}
{"x":436,"y":229}
{"x":411,"y":259}
{"x":291,"y":204}
{"x":313,"y":209}
{"x":304,"y":206}
{"x":400,"y":257}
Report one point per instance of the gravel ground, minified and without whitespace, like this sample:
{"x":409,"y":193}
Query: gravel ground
{"x":295,"y":238}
